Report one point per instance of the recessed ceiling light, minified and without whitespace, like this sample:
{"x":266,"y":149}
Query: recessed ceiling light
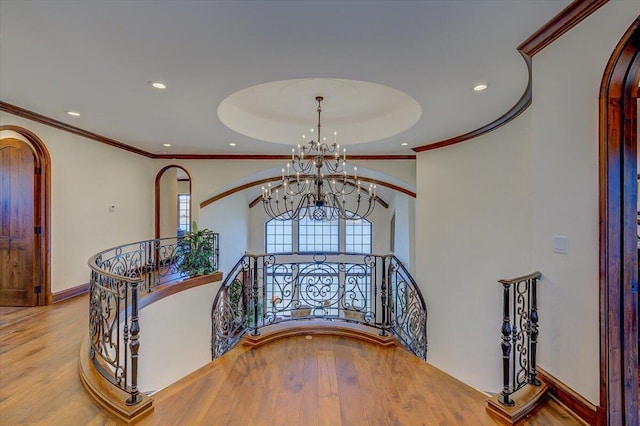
{"x":158,"y":85}
{"x":480,"y":87}
{"x":73,"y":113}
{"x":404,"y":144}
{"x":232,"y":144}
{"x":166,"y":144}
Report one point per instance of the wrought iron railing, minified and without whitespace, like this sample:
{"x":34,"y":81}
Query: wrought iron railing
{"x":118,"y":276}
{"x":519,"y":334}
{"x":372,"y":290}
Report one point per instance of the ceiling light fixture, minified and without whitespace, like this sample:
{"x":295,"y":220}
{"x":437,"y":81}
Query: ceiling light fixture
{"x":166,"y":144}
{"x":404,"y":144}
{"x":480,"y":87}
{"x":73,"y":113}
{"x":157,"y":85}
{"x":315,"y":184}
{"x":232,"y":144}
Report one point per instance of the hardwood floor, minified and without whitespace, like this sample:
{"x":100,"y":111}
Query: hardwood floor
{"x":324,"y":380}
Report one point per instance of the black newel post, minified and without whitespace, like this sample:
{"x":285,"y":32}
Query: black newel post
{"x":254,"y":296}
{"x":534,"y":333}
{"x":506,"y":348}
{"x":134,"y":346}
{"x":383,"y":296}
{"x":151,"y":268}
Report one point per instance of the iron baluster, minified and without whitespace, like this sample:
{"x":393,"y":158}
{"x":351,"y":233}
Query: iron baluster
{"x":383,"y":299}
{"x":254,"y":297}
{"x":135,"y":396}
{"x":534,"y":332}
{"x":150,"y":267}
{"x":506,"y":348}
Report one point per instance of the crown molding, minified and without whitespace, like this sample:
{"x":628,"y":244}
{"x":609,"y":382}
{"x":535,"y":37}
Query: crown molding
{"x":271,"y":157}
{"x":34,"y":116}
{"x":52,"y":122}
{"x":568,"y":18}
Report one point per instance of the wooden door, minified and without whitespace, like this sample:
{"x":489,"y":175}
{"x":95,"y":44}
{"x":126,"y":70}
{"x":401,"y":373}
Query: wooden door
{"x":18,"y":272}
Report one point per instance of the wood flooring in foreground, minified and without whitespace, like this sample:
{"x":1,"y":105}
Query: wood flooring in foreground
{"x":325,"y":380}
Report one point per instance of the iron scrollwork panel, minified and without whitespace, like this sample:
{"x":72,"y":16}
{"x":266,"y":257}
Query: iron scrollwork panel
{"x":408,"y":313}
{"x":106,"y":307}
{"x":229,"y":312}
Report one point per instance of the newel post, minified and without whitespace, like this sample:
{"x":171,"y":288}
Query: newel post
{"x":134,"y":346}
{"x":505,"y":346}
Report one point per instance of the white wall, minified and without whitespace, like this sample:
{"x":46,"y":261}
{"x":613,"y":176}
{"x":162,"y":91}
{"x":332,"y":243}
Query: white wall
{"x":183,"y":187}
{"x":87,"y":177}
{"x":566,"y":82}
{"x":472,"y":223}
{"x":404,"y":208}
{"x":228,"y":217}
{"x":175,"y":337}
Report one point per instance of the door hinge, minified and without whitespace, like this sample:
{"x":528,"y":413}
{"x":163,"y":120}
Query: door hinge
{"x":38,"y":170}
{"x":38,"y":230}
{"x":37,"y":289}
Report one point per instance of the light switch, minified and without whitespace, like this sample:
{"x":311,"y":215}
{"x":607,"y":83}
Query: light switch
{"x":560,"y":244}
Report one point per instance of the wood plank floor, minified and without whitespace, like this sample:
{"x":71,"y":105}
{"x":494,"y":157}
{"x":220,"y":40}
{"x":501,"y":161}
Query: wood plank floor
{"x":325,"y":380}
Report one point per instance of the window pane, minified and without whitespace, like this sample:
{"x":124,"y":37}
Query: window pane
{"x":184,"y":213}
{"x":278,"y":236}
{"x":358,"y":236}
{"x":318,"y":235}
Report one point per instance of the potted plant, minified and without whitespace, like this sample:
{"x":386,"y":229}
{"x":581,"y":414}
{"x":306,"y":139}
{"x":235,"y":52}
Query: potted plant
{"x":196,"y":252}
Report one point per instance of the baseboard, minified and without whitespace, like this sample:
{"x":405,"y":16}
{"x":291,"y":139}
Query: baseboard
{"x":575,"y":403}
{"x":70,"y":292}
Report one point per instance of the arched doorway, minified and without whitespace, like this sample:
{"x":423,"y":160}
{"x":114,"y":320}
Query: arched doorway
{"x":36,"y":218}
{"x":172,"y":201}
{"x":618,"y":238}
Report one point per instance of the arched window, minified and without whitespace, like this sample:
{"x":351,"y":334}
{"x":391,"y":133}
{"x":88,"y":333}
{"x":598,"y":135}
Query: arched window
{"x":308,"y":235}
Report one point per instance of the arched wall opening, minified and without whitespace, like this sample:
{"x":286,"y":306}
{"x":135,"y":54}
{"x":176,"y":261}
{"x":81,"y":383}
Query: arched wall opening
{"x":172,"y":213}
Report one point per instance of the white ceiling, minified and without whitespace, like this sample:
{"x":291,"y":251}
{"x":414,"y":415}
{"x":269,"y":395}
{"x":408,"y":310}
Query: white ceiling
{"x":97,"y":57}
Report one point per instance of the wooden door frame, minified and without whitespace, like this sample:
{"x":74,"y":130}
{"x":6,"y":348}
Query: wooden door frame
{"x":618,"y":253}
{"x":157,"y":195}
{"x":42,"y":208}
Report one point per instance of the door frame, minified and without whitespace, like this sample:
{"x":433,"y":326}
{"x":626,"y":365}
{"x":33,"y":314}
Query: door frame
{"x":618,"y":252}
{"x":41,"y":210}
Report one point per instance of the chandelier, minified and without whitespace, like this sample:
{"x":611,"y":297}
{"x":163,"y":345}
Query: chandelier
{"x":315,"y":184}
